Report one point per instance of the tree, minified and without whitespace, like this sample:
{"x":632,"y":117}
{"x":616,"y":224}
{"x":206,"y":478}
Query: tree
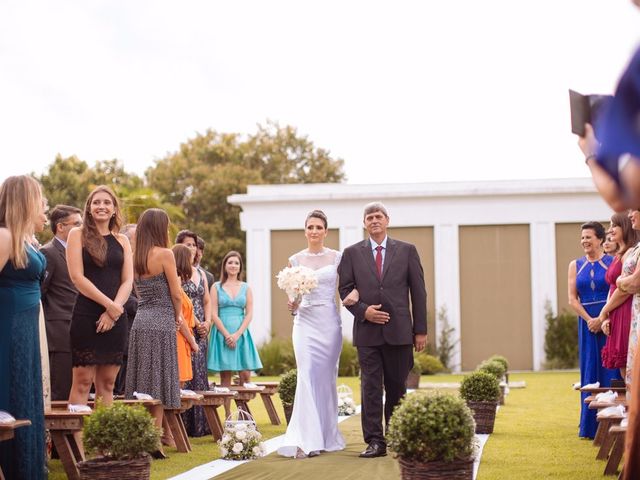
{"x":208,"y":168}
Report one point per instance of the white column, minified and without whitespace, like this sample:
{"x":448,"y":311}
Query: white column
{"x":446,"y":257}
{"x":259,"y":278}
{"x":543,"y":283}
{"x":348,"y":236}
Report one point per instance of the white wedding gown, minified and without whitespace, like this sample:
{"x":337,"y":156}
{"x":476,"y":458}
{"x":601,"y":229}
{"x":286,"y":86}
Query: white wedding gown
{"x":317,"y":341}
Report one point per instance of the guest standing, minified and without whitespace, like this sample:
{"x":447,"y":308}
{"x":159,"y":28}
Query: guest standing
{"x":100,"y":266}
{"x":231,"y":348}
{"x":615,"y":316}
{"x":58,"y":294}
{"x":22,"y":268}
{"x":186,"y":342}
{"x":199,"y":254}
{"x":587,"y":295}
{"x":153,"y":360}
{"x":197,"y":289}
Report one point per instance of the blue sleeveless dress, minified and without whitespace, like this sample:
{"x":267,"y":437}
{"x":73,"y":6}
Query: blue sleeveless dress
{"x":245,"y":355}
{"x":20,"y":367}
{"x":592,"y":290}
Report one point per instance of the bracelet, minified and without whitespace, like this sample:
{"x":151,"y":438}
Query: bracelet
{"x":590,"y":157}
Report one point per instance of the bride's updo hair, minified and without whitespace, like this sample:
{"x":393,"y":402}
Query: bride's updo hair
{"x":317,"y":214}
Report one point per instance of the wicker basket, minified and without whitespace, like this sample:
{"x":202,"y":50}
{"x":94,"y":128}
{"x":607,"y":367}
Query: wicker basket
{"x":413,"y":380}
{"x":288,"y":410}
{"x":484,"y":413}
{"x":456,"y":470}
{"x":101,"y":469}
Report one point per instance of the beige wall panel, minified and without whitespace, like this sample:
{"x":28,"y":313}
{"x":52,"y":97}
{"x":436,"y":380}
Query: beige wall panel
{"x":567,"y":249}
{"x":422,"y":238}
{"x":285,"y":243}
{"x":495,"y":294}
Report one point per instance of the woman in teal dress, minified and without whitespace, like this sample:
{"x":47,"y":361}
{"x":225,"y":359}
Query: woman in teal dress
{"x":231,"y":348}
{"x":22,"y":269}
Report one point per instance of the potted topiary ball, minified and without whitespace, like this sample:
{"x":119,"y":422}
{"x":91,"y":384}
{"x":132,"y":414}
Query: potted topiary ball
{"x":287,"y":392}
{"x":121,"y":435}
{"x":504,"y":362}
{"x":497,"y":369}
{"x":413,"y":378}
{"x":432,"y":436}
{"x":481,"y":392}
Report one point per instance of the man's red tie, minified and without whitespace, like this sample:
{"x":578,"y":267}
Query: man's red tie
{"x":379,"y":260}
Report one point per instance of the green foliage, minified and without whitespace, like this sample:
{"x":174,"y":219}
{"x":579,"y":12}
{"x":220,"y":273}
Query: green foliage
{"x":287,"y":387}
{"x":446,"y":344}
{"x":120,"y":431}
{"x":429,"y":427}
{"x":561,"y":339}
{"x":500,"y":359}
{"x":480,"y":387}
{"x":494,"y":368}
{"x":348,"y":365}
{"x":428,"y":364}
{"x":277,"y":356}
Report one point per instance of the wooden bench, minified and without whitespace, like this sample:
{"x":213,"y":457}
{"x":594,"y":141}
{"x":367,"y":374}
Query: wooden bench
{"x":65,"y":428}
{"x":210,"y":402}
{"x":618,"y":433}
{"x":606,"y":439}
{"x":174,"y":420}
{"x":7,"y":433}
{"x":244,"y":395}
{"x":595,"y":390}
{"x":270,"y":389}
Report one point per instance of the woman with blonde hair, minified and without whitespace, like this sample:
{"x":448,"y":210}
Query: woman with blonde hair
{"x":100,"y":266}
{"x":22,"y":269}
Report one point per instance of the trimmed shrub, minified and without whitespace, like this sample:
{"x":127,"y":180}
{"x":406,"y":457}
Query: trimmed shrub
{"x":277,"y":357}
{"x":561,"y":339}
{"x":120,"y":432}
{"x":349,"y":365}
{"x":480,"y":387}
{"x":429,"y":365}
{"x":500,"y":359}
{"x":429,"y":427}
{"x":494,"y":368}
{"x":287,"y":387}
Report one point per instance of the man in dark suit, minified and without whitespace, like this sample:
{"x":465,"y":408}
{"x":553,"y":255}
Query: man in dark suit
{"x":58,"y":299}
{"x":385,"y":272}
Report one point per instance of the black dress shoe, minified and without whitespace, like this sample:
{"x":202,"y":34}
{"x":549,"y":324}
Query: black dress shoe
{"x":374,"y":450}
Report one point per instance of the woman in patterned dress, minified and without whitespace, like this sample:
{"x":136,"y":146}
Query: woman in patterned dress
{"x":197,"y":289}
{"x":587,"y":295}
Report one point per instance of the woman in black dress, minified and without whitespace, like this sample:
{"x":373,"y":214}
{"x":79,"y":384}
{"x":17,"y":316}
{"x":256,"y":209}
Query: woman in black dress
{"x":101,"y":268}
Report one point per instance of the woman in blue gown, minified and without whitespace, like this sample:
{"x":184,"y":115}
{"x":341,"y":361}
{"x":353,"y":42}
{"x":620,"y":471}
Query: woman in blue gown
{"x":22,"y":269}
{"x":587,"y":295}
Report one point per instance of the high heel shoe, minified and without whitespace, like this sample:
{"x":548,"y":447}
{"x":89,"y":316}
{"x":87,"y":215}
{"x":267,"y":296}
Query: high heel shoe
{"x":300,"y":453}
{"x":313,"y":453}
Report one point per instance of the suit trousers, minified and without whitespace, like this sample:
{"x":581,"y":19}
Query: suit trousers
{"x":382,"y":365}
{"x":60,"y":369}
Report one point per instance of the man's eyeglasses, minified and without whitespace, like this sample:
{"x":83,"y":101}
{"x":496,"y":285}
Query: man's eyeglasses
{"x":75,"y":224}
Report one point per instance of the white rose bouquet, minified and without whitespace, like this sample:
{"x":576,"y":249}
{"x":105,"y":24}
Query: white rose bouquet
{"x":297,"y":281}
{"x":241,"y":442}
{"x":346,"y":406}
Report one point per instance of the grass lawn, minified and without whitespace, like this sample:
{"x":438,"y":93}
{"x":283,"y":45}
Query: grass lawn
{"x":535,"y":435}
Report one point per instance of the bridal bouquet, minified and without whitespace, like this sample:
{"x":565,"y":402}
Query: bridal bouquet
{"x":297,"y":281}
{"x":241,"y":441}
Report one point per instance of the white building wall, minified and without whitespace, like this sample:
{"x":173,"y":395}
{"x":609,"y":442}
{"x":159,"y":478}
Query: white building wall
{"x":445,"y":206}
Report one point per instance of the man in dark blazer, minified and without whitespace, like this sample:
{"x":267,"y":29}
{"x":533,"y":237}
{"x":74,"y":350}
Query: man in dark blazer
{"x":386,"y":273}
{"x":58,"y":299}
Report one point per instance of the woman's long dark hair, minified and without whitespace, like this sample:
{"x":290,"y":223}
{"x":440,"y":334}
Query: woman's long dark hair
{"x":223,"y":273}
{"x":152,"y":231}
{"x":630,"y":237}
{"x":92,"y":240}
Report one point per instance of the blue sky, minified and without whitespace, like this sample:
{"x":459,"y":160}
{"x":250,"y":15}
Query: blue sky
{"x":403,"y":91}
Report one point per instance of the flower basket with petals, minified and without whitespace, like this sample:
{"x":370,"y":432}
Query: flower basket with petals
{"x":241,"y":440}
{"x":346,"y":406}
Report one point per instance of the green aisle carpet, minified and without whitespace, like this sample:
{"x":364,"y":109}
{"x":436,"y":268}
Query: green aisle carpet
{"x":343,"y":465}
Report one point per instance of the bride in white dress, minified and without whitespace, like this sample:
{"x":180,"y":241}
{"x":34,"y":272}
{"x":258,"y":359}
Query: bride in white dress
{"x":317,"y":341}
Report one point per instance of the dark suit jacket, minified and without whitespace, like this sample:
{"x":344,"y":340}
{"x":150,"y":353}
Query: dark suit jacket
{"x":58,"y":297}
{"x":402,"y":276}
